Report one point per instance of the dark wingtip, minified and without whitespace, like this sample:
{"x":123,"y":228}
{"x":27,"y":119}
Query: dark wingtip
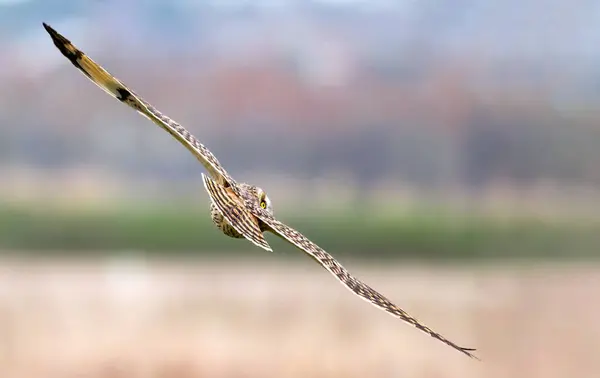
{"x":468,"y":351}
{"x":64,"y":45}
{"x":56,"y":37}
{"x":53,"y":33}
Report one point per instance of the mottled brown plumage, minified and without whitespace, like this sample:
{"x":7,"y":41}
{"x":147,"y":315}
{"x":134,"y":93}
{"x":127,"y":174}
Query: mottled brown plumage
{"x":235,"y":220}
{"x":239,"y":210}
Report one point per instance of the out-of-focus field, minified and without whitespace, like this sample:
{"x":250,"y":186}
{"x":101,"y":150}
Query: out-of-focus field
{"x":200,"y":318}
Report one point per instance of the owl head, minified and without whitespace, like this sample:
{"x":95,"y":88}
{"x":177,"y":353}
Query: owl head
{"x":259,"y":195}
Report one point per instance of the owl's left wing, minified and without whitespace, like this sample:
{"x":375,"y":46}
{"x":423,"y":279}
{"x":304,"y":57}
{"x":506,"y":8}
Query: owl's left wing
{"x":355,"y":285}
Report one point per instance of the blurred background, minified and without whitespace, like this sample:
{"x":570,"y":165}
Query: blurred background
{"x":444,"y":150}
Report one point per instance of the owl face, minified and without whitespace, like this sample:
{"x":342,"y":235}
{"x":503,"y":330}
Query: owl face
{"x":259,"y":195}
{"x":263,"y":200}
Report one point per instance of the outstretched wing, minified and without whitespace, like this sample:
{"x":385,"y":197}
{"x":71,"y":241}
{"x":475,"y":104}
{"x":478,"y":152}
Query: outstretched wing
{"x":234,"y":212}
{"x":355,"y":285}
{"x":121,"y":92}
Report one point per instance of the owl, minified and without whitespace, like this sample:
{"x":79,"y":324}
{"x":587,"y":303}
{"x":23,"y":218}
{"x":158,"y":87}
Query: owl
{"x":239,"y":210}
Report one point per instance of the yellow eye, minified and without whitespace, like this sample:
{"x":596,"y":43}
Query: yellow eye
{"x":263,"y":204}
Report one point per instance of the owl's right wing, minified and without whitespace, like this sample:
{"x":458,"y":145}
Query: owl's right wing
{"x":121,"y":92}
{"x":358,"y":287}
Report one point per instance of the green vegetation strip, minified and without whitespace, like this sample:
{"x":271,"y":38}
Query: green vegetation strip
{"x":413,"y":234}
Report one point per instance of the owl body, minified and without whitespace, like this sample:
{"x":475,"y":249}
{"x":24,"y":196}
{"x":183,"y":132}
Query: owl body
{"x":250,"y":195}
{"x":222,"y":224}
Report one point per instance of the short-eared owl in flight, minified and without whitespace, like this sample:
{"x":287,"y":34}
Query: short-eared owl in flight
{"x":239,"y":210}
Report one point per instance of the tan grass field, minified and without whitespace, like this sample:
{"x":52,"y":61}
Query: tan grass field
{"x":227,"y":319}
